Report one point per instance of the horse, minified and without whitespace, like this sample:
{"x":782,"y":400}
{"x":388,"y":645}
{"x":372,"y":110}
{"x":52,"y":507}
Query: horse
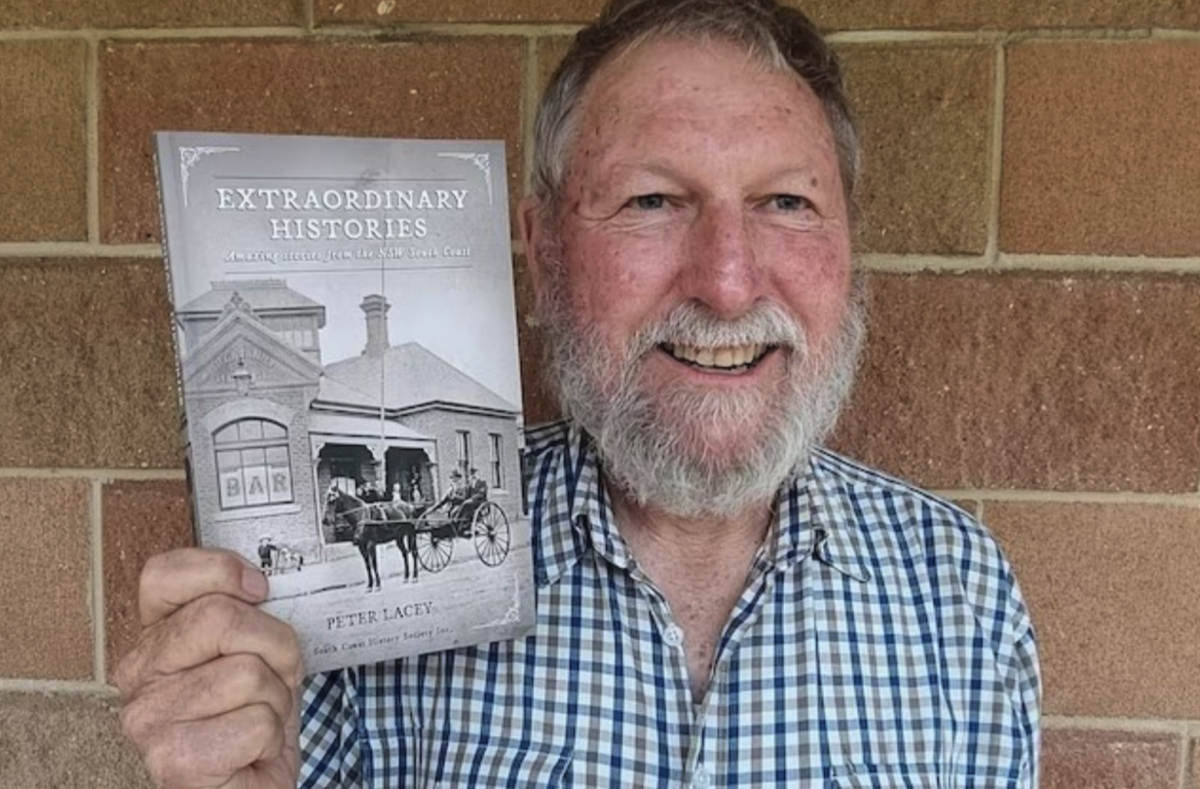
{"x":372,"y":524}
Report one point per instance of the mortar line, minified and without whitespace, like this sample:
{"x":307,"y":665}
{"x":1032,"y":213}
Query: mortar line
{"x":1079,"y":34}
{"x":79,"y":249}
{"x":91,"y":126}
{"x":913,"y":263}
{"x":56,"y":686}
{"x":201,"y":33}
{"x":1049,"y":263}
{"x":914,"y":36}
{"x":1172,"y":34}
{"x":469,"y":29}
{"x":97,"y":475}
{"x":529,"y":98}
{"x":97,"y":538}
{"x":999,"y":86}
{"x":310,"y":16}
{"x":893,"y":36}
{"x":1179,"y":727}
{"x":1179,"y":265}
{"x":449,"y":30}
{"x":1185,"y":758}
{"x":45,"y":35}
{"x":1073,"y":497}
{"x":149,"y":33}
{"x":308,"y":27}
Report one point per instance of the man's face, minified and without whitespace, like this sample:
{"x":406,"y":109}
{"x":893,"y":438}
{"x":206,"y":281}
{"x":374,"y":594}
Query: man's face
{"x":700,"y":267}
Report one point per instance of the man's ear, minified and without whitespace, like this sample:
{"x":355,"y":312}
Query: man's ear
{"x":533,"y":236}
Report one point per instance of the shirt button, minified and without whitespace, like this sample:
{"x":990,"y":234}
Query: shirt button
{"x":673,"y":635}
{"x":702,"y":779}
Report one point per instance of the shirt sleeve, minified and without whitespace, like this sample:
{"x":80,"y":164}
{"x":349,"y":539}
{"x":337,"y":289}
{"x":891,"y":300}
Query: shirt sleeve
{"x":1001,"y":609}
{"x":1005,"y":627}
{"x":330,"y":755}
{"x":1026,"y":686}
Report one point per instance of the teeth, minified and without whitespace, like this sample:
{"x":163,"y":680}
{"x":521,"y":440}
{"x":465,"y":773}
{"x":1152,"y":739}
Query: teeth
{"x":719,"y":358}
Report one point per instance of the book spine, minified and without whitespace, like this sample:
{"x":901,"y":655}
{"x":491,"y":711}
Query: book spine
{"x":163,"y":148}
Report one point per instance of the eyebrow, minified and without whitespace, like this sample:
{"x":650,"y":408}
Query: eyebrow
{"x":805,"y":173}
{"x":651,"y":166}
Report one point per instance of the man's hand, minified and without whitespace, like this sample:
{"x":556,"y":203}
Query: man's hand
{"x":211,"y":688}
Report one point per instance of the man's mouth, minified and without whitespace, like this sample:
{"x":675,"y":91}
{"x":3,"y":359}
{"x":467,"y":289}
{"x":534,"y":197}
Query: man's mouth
{"x":727,"y":358}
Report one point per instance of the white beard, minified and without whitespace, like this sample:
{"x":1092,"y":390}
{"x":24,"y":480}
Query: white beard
{"x":654,"y":444}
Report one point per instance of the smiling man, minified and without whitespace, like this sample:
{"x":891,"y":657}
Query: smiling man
{"x":695,"y":274}
{"x":720,"y":601}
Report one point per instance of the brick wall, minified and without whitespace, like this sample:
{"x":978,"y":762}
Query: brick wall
{"x":1032,"y":234}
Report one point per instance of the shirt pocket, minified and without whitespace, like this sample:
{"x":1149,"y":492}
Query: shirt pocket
{"x":926,"y":777}
{"x":886,"y":778}
{"x":472,"y":761}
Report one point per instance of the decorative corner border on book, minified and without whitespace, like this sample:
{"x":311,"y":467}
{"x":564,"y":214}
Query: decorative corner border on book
{"x":188,"y":157}
{"x":513,"y":614}
{"x":481,"y":160}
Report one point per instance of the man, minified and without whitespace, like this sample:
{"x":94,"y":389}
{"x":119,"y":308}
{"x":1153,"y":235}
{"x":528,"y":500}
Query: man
{"x":266,"y":553}
{"x":455,"y":495}
{"x":720,"y":602}
{"x":477,"y":494}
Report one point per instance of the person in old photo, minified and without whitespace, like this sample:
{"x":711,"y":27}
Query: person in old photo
{"x":456,"y":493}
{"x":721,"y":601}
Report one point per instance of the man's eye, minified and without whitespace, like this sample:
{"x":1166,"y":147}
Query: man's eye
{"x":791,"y":202}
{"x":651,"y":202}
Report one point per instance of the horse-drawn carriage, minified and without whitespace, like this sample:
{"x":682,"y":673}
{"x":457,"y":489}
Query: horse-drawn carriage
{"x":424,"y":533}
{"x":487,"y":528}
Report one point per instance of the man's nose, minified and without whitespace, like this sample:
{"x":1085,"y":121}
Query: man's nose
{"x":722,"y":268}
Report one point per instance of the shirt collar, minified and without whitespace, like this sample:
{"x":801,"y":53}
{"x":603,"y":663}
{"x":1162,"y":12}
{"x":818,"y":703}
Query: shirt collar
{"x":575,"y":511}
{"x":815,"y":515}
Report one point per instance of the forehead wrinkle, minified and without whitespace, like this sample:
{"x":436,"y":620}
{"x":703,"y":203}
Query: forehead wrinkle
{"x":695,"y":145}
{"x":665,"y":98}
{"x":716,"y":46}
{"x":634,"y":106}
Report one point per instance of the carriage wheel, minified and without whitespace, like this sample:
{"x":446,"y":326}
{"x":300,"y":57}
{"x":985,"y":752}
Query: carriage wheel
{"x":433,"y":551}
{"x":489,"y":529}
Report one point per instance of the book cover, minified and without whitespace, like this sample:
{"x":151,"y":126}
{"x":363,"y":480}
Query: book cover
{"x":346,"y":336}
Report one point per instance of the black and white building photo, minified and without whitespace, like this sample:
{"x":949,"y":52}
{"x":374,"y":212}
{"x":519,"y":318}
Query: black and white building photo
{"x":276,"y":426}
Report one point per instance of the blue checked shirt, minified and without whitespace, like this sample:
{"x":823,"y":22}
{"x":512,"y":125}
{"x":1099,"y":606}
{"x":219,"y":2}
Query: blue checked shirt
{"x":881,"y":641}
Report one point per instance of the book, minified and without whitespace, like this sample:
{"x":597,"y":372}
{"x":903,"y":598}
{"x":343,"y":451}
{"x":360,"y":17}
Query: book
{"x":347,"y":359}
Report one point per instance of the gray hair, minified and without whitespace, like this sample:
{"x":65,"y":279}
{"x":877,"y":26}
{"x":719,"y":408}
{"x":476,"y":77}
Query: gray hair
{"x":782,"y":38}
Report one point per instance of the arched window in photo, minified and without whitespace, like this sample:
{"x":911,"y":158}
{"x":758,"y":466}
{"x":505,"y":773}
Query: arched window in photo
{"x":253,"y":464}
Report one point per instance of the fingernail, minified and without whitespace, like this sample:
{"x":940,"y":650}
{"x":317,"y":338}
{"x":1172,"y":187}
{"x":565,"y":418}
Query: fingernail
{"x":254,"y":582}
